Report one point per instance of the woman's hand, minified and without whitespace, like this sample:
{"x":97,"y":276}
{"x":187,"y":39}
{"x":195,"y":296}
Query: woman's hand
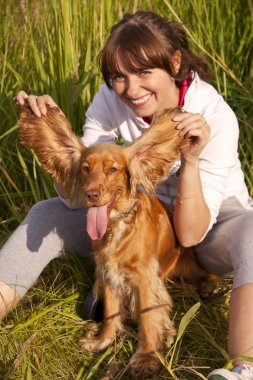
{"x":37,"y":103}
{"x":193,"y":126}
{"x":191,"y":207}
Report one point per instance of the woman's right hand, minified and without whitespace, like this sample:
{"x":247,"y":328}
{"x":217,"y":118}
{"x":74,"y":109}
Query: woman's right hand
{"x":37,"y":103}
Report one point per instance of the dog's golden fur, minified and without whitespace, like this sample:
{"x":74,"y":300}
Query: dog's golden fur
{"x":137,"y":249}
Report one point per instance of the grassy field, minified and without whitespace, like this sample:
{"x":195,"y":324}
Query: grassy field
{"x":51,"y":46}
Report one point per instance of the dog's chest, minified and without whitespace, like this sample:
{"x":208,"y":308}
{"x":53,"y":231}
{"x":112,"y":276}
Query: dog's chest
{"x":111,"y":262}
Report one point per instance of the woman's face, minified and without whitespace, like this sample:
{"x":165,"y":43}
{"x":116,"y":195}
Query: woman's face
{"x":146,"y":92}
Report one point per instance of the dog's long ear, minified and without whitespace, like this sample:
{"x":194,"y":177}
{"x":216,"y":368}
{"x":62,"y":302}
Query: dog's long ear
{"x":151,"y":156}
{"x":57,"y":147}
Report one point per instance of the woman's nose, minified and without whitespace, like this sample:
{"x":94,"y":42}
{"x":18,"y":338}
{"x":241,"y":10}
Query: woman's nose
{"x":132,"y":86}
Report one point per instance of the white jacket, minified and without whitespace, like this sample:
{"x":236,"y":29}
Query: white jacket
{"x":220,"y":170}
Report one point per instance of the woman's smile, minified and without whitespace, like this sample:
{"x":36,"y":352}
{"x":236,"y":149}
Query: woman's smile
{"x":146,"y":92}
{"x":141,"y":100}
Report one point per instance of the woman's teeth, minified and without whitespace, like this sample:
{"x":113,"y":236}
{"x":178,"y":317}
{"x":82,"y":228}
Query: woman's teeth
{"x":140,"y":100}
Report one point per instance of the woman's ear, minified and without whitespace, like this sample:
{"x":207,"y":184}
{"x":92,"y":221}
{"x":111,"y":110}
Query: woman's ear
{"x":176,"y":61}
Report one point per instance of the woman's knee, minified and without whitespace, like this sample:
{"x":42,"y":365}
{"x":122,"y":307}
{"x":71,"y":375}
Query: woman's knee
{"x":50,"y":213}
{"x":243,"y":248}
{"x":242,"y":238}
{"x":46,"y":207}
{"x":51,"y":221}
{"x":228,"y":246}
{"x":44,"y":222}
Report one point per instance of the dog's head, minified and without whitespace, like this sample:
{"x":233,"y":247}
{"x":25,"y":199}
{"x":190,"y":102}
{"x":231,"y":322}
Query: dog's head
{"x":105,"y":175}
{"x":105,"y":185}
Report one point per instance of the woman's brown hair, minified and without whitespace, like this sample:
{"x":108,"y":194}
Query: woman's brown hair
{"x":144,"y":40}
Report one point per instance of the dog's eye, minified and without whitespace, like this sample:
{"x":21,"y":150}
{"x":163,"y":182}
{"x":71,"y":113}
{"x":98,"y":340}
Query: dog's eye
{"x":86,"y":169}
{"x":112,"y":169}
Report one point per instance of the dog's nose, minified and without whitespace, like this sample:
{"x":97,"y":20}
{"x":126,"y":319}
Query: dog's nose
{"x":92,"y":195}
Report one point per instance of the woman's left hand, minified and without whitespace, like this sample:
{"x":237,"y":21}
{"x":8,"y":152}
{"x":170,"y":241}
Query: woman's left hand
{"x":195,"y":127}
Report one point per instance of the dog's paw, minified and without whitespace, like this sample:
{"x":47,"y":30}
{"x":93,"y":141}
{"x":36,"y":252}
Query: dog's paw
{"x":94,"y":344}
{"x":143,"y":365}
{"x":208,"y":286}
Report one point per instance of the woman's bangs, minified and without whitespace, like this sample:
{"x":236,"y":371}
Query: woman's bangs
{"x":133,"y":51}
{"x":138,"y":52}
{"x":132,"y":60}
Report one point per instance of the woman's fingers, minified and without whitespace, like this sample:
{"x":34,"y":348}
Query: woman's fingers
{"x":193,"y":126}
{"x":38,"y":104}
{"x":42,"y":102}
{"x":32,"y":101}
{"x":46,"y":99}
{"x":20,"y":98}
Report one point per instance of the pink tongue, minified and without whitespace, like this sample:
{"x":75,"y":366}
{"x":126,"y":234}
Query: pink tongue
{"x":97,"y":222}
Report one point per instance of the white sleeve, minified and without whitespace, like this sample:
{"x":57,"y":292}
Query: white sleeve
{"x":218,"y":159}
{"x":100,"y":119}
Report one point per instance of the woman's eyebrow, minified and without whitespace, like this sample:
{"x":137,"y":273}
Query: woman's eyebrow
{"x":116,"y":73}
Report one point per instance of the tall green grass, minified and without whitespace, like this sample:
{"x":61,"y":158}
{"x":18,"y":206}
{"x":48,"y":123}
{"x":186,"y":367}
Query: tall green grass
{"x":51,"y":46}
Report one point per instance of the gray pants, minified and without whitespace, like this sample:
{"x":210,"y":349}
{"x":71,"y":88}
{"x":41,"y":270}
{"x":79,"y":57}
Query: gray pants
{"x":51,"y":228}
{"x":228,"y":247}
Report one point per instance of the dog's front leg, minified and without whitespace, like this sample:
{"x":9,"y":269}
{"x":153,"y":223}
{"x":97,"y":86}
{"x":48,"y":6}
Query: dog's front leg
{"x":111,"y":323}
{"x":154,"y":305}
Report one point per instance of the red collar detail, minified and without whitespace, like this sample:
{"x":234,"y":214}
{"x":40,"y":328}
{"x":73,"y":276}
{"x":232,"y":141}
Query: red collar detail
{"x":183,"y":89}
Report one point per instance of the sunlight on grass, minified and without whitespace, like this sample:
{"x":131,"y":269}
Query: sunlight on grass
{"x":52,"y":47}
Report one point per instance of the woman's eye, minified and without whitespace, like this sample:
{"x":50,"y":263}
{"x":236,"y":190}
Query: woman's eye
{"x":118,"y":78}
{"x":144,"y":73}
